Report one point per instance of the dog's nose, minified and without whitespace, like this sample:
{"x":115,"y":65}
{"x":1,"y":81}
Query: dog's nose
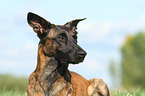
{"x":82,"y":54}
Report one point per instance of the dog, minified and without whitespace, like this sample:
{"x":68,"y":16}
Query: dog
{"x":56,"y":50}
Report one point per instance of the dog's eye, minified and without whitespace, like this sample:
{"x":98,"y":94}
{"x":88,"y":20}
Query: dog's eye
{"x":62,"y":38}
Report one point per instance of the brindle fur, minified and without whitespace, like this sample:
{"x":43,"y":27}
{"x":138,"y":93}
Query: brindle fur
{"x":57,"y":48}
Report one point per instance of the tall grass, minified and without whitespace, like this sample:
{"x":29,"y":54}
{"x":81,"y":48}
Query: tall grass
{"x":13,"y":86}
{"x":12,"y":93}
{"x":121,"y":92}
{"x":16,"y":86}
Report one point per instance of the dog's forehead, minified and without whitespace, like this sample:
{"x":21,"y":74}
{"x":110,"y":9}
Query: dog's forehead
{"x":68,"y":29}
{"x":58,"y":29}
{"x":62,"y":27}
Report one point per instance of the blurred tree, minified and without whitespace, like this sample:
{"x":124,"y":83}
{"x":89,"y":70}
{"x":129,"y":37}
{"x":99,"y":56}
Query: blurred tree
{"x":133,"y":62}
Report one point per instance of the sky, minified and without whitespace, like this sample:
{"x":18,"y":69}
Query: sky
{"x":102,"y":34}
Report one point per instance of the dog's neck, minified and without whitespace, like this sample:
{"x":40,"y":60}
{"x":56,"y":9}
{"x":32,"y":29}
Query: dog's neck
{"x":47,"y":65}
{"x":49,"y":69}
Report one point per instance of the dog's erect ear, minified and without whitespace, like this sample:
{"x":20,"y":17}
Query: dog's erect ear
{"x":39,"y":24}
{"x":73,"y":24}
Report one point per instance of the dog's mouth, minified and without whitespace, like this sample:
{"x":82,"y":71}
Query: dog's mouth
{"x":78,"y":60}
{"x":75,"y":61}
{"x":82,"y":59}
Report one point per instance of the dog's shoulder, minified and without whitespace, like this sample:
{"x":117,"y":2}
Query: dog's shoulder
{"x":78,"y":77}
{"x":79,"y":84}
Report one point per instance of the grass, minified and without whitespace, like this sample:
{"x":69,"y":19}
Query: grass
{"x":113,"y":93}
{"x":120,"y":92}
{"x":13,"y":86}
{"x":12,"y":83}
{"x":16,"y":86}
{"x":12,"y":93}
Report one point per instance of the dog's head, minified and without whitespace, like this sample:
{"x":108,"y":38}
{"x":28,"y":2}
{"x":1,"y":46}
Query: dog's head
{"x":59,"y":41}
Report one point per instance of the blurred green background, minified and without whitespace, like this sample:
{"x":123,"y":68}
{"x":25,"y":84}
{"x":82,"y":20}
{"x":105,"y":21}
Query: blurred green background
{"x":132,"y":63}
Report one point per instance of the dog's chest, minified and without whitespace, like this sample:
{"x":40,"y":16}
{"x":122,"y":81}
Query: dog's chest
{"x":61,"y":88}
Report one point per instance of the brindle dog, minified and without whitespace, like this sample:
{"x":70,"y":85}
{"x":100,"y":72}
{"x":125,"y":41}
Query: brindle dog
{"x":57,"y":48}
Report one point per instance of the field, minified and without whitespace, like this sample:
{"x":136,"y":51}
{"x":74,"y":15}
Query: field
{"x":113,"y":93}
{"x":16,"y":86}
{"x":121,"y":92}
{"x":13,"y":86}
{"x":12,"y":93}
